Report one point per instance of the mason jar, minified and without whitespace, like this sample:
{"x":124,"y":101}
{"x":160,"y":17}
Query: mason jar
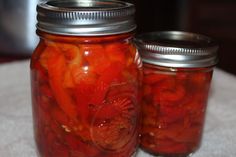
{"x":86,"y":75}
{"x":178,"y":69}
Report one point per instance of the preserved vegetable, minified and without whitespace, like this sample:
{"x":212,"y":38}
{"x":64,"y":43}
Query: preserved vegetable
{"x":85,"y":96}
{"x":174,"y":105}
{"x":178,"y":68}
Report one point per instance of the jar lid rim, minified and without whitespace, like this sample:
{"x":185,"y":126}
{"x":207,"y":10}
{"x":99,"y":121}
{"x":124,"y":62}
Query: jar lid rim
{"x":85,"y":17}
{"x":177,"y":49}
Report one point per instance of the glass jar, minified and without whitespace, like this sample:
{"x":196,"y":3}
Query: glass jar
{"x":178,"y":69}
{"x":85,"y":76}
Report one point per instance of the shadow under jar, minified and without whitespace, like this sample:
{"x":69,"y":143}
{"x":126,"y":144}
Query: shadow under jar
{"x":85,"y":76}
{"x":178,"y":68}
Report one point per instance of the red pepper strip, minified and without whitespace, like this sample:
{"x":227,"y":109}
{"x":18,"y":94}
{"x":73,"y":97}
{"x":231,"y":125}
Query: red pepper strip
{"x":59,"y":150}
{"x":190,"y":135}
{"x":82,"y":75}
{"x":74,"y":58}
{"x":170,"y":147}
{"x":150,"y":110}
{"x":96,"y":57}
{"x":82,"y":130}
{"x":71,"y":52}
{"x":127,"y":150}
{"x":122,"y":90}
{"x":120,"y":107}
{"x":68,"y":80}
{"x":39,"y":73}
{"x":116,"y":52}
{"x":132,"y":145}
{"x":200,"y":81}
{"x":108,"y":111}
{"x":154,"y":78}
{"x":175,"y":94}
{"x":60,"y":117}
{"x":114,"y":124}
{"x":42,"y":147}
{"x":84,"y":86}
{"x":44,"y":57}
{"x":134,"y":58}
{"x":80,"y":148}
{"x":167,"y":84}
{"x":46,"y":91}
{"x":113,"y":134}
{"x":44,"y":103}
{"x":147,"y":90}
{"x":171,"y":114}
{"x":199,"y":78}
{"x":111,"y":74}
{"x":83,"y":94}
{"x":182,"y":76}
{"x":41,"y":116}
{"x":56,"y":69}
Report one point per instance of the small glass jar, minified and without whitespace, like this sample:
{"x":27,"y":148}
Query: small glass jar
{"x":85,"y":76}
{"x":178,"y":69}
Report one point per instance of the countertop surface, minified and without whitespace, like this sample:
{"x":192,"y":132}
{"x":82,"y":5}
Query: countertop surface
{"x":16,"y":121}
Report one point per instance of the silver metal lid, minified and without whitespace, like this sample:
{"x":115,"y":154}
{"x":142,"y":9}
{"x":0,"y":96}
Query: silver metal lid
{"x":85,"y":17}
{"x":177,"y":49}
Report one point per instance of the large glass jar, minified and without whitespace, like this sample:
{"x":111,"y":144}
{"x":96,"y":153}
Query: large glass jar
{"x":178,"y":69}
{"x":85,"y":76}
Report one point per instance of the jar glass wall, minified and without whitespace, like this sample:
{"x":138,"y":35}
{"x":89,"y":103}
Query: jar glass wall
{"x":85,"y":96}
{"x":178,"y":68}
{"x":85,"y":76}
{"x":174,"y":106}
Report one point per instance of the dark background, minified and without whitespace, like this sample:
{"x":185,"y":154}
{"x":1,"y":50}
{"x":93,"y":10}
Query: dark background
{"x":215,"y":18}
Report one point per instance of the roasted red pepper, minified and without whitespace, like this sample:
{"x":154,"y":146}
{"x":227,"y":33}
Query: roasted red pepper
{"x":85,"y":96}
{"x":174,"y":104}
